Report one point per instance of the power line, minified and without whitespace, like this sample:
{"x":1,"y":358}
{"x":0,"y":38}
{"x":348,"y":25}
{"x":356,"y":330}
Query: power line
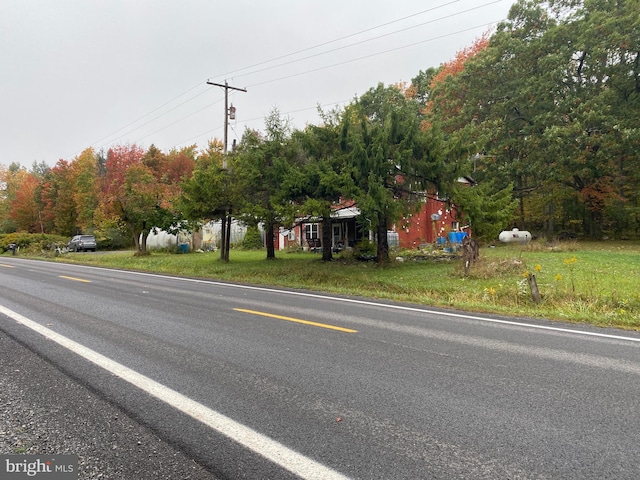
{"x":208,"y":132}
{"x":305,"y":58}
{"x":335,"y":40}
{"x":263,"y":63}
{"x":369,"y":39}
{"x":372,"y":55}
{"x":353,"y":60}
{"x":161,"y":115}
{"x":146,"y":115}
{"x":183,"y":118}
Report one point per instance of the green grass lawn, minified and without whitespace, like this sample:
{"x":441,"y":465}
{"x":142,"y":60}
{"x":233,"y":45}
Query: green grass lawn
{"x":598,"y":283}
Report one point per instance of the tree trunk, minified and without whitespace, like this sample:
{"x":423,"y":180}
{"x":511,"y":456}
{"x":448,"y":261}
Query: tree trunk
{"x":223,"y":237}
{"x":551,"y":224}
{"x":136,"y":237}
{"x":228,"y":237}
{"x":382,"y":255}
{"x":143,"y":241}
{"x":269,"y":240}
{"x":137,"y":241}
{"x":521,"y":200}
{"x":327,"y":254}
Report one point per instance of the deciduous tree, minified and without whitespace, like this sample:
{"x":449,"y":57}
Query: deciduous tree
{"x":552,"y":102}
{"x":10,"y":180}
{"x":133,"y":193}
{"x":25,"y":210}
{"x":57,"y":197}
{"x":86,"y":187}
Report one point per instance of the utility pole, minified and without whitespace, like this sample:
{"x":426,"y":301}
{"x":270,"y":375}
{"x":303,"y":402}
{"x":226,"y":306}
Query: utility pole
{"x":226,"y":87}
{"x":225,"y":238}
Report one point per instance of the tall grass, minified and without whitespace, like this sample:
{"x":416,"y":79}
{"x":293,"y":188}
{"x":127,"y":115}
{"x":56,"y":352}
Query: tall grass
{"x":596,"y":283}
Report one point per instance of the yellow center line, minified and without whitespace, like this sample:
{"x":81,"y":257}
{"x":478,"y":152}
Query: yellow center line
{"x":297,"y":320}
{"x":6,"y":266}
{"x":75,"y":279}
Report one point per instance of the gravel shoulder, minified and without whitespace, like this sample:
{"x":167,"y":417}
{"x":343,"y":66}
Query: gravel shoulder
{"x":44,"y":412}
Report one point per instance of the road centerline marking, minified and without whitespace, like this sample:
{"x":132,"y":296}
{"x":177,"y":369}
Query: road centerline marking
{"x":297,"y":320}
{"x":371,"y":303}
{"x":6,"y":266}
{"x":75,"y":279}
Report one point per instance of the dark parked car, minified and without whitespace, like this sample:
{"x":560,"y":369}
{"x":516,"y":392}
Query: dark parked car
{"x":82,"y":243}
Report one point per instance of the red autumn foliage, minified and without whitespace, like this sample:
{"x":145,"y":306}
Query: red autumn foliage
{"x":119,"y":159}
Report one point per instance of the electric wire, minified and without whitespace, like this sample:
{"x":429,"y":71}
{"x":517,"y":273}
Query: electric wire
{"x":336,"y":39}
{"x":159,"y":116}
{"x":144,"y":116}
{"x":340,"y":64}
{"x":182,"y":119}
{"x":299,"y":60}
{"x":371,"y":55}
{"x":369,"y":39}
{"x":252,"y":66}
{"x":210,"y":131}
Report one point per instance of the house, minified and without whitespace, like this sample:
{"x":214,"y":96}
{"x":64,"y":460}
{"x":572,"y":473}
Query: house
{"x":307,"y":232}
{"x":430,"y":225}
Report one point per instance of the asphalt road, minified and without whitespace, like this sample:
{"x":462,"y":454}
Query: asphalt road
{"x":260,"y":383}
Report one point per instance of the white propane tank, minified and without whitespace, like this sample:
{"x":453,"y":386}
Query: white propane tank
{"x":515,"y":236}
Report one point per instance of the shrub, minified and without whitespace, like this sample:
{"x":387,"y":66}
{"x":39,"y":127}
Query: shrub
{"x":252,"y":238}
{"x":113,"y":239}
{"x":365,"y":249}
{"x":32,"y":242}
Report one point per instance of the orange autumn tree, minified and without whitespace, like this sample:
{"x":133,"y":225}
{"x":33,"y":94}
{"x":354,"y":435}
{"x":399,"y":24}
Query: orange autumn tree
{"x":56,"y":195}
{"x":10,"y":180}
{"x":445,"y":99}
{"x":25,"y":210}
{"x":176,"y":166}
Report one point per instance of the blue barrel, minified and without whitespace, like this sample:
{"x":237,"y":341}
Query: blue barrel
{"x":456,"y":237}
{"x":183,"y":248}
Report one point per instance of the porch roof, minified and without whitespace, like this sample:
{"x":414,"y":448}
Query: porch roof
{"x":341,"y":213}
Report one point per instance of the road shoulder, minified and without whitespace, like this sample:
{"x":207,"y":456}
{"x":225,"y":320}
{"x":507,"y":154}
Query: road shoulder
{"x":44,"y":412}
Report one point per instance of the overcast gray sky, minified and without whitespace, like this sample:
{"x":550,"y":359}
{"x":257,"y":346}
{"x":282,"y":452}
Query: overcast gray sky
{"x":81,"y":73}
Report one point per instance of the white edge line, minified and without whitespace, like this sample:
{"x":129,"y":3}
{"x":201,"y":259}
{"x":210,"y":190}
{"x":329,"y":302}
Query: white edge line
{"x":370,"y":303}
{"x":268,"y":448}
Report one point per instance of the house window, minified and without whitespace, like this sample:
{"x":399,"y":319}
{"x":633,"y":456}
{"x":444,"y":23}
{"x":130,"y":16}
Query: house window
{"x":311,"y":231}
{"x":455,"y":226}
{"x":292,"y":235}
